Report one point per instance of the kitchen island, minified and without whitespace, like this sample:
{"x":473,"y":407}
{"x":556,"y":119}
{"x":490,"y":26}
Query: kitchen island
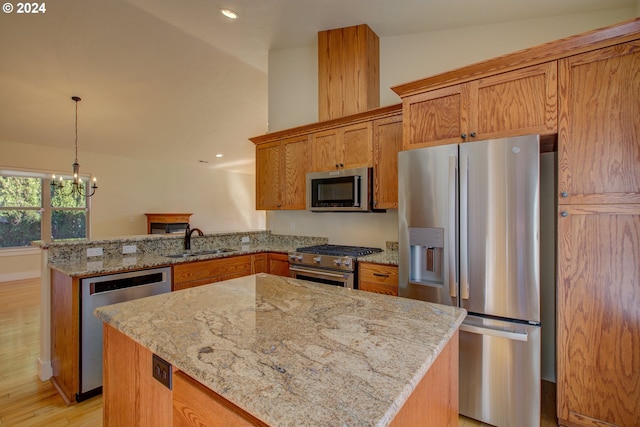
{"x":270,"y":350}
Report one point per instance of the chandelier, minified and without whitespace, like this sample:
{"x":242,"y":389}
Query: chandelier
{"x":77,"y":188}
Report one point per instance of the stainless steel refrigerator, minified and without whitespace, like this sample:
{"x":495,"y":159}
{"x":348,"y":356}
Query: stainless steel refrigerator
{"x":468,"y":236}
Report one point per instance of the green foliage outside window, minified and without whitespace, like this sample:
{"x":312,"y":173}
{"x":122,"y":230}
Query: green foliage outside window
{"x":21,"y":212}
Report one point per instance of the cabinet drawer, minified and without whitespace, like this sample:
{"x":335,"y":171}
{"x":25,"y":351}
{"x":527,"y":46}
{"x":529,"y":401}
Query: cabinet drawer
{"x":379,"y":288}
{"x":378,"y":273}
{"x":200,"y":270}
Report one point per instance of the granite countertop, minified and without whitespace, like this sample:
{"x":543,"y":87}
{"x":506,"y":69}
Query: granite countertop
{"x":291,"y":352}
{"x":388,"y":257}
{"x":83,"y":266}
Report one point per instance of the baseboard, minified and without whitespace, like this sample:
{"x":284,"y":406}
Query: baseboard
{"x":45,"y":370}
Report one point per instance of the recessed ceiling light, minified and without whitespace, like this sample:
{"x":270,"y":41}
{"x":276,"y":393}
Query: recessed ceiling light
{"x":218,"y":155}
{"x":229,"y":13}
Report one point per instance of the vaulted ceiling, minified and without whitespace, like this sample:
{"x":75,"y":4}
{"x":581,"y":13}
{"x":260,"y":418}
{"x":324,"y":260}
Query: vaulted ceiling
{"x":167,"y":79}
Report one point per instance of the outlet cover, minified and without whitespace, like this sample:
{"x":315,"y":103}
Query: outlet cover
{"x":94,"y":252}
{"x":161,"y":371}
{"x":245,"y":239}
{"x":129,"y":249}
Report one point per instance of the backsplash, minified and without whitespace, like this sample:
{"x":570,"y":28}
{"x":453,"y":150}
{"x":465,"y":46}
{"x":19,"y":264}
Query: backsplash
{"x":159,"y":244}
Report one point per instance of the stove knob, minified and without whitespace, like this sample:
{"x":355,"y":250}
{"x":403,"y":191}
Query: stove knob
{"x":336,"y":262}
{"x":346,"y":262}
{"x":317,"y":259}
{"x":299,"y":258}
{"x":292,"y":257}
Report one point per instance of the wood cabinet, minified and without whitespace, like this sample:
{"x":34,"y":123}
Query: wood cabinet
{"x":281,"y":169}
{"x":132,"y":397}
{"x":379,"y":278}
{"x":283,"y":158}
{"x":158,"y":223}
{"x":65,"y":335}
{"x":387,"y":142}
{"x":199,"y":273}
{"x":599,"y":134}
{"x":519,"y":102}
{"x":598,"y":312}
{"x":343,"y":147}
{"x":272,"y":263}
{"x":278,"y":264}
{"x":598,"y":323}
{"x":140,"y":399}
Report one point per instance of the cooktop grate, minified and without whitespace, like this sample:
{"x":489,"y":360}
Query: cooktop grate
{"x":339,"y":250}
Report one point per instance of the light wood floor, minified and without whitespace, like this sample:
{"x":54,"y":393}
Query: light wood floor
{"x":27,"y":401}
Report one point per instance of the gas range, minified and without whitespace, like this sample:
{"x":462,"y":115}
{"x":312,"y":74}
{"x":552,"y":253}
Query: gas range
{"x":333,"y":257}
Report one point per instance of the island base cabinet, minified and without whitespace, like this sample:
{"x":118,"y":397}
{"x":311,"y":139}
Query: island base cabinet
{"x":130,"y":394}
{"x":194,"y":405}
{"x":434,"y":402}
{"x":132,"y":397}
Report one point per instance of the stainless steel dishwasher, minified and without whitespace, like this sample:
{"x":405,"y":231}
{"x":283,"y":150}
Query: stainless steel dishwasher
{"x":105,"y":290}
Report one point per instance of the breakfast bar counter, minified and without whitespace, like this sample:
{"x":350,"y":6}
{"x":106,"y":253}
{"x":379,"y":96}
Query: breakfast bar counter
{"x":280,"y":352}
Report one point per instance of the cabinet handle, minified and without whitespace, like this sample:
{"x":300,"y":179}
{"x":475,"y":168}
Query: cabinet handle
{"x":564,"y":214}
{"x":341,"y":165}
{"x":463,"y":136}
{"x":473,"y":134}
{"x":380,"y":275}
{"x":337,"y":166}
{"x":564,"y":194}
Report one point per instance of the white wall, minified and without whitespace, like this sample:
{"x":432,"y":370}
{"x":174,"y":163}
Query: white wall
{"x":219,"y":201}
{"x":293,"y":99}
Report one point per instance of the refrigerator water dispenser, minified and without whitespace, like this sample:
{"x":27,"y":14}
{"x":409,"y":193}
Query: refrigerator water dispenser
{"x":427,"y":260}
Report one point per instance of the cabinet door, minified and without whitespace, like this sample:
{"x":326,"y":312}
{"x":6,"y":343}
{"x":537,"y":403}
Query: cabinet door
{"x":516,"y":103}
{"x":598,"y":325}
{"x":387,"y":141}
{"x":599,"y":131}
{"x":356,"y":145}
{"x":268,"y":176}
{"x":279,"y":264}
{"x":436,"y":117}
{"x":296,"y":158}
{"x":325,"y":155}
{"x":259,"y":263}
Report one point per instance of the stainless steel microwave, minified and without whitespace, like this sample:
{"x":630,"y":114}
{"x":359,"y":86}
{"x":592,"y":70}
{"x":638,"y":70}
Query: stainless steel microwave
{"x":343,"y":190}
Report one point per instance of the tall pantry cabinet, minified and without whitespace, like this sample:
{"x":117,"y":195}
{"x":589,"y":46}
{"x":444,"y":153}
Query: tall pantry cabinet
{"x":598,"y":296}
{"x":598,"y":223}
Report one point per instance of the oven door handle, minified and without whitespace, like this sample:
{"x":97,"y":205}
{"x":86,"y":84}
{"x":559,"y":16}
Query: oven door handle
{"x":316,"y":273}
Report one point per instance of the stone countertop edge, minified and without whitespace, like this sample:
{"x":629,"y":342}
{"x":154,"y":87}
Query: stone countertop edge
{"x":390,"y":385}
{"x":107,"y":265}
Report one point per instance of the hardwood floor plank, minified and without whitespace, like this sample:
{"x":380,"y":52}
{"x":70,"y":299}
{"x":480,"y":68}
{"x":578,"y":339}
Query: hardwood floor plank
{"x":26,"y":401}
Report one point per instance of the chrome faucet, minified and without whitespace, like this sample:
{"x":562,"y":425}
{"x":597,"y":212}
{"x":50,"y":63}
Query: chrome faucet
{"x":187,"y":236}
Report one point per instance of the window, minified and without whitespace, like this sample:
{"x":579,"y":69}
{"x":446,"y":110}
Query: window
{"x":30,"y":211}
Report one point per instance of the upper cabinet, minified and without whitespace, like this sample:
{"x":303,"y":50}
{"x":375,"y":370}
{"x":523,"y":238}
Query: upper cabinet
{"x":523,"y":101}
{"x":599,"y":135}
{"x":387,"y":142}
{"x":284,"y":158}
{"x":343,"y":148}
{"x":281,"y":168}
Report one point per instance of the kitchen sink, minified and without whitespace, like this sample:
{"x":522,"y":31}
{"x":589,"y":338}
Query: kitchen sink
{"x":200,"y":253}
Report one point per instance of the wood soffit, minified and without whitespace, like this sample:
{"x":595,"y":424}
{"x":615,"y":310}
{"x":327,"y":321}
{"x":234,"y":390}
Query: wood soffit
{"x":573,"y":45}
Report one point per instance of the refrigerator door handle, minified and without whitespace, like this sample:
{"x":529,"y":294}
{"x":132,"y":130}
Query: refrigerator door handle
{"x":464,"y":226}
{"x":517,"y":336}
{"x":453,"y":268}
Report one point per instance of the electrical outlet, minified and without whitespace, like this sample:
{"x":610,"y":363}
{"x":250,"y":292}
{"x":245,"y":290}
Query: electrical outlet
{"x":292,"y":225}
{"x":129,"y":249}
{"x":245,"y":239}
{"x":161,"y":371}
{"x":94,"y":252}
